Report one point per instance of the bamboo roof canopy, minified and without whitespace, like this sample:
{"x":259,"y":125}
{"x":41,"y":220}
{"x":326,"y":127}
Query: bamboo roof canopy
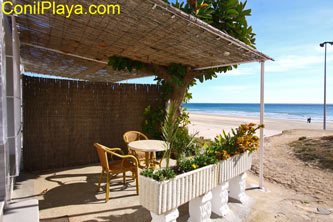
{"x":150,"y":31}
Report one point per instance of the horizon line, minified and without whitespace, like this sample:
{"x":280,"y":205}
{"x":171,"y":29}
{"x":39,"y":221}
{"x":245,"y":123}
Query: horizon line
{"x":258,"y":103}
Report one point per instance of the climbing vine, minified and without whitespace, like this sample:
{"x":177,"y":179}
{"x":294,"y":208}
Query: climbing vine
{"x":121,"y":63}
{"x":154,"y":116}
{"x":153,"y":120}
{"x":226,"y":15}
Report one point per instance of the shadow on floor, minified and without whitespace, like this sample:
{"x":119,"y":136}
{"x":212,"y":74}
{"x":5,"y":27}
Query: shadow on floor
{"x":140,"y":214}
{"x":76,"y":192}
{"x":70,"y":195}
{"x":58,"y":219}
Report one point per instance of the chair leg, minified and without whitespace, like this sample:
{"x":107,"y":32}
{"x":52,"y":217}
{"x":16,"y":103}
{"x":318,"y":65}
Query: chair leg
{"x":162,"y":160}
{"x":147,"y":159}
{"x":124,"y":178}
{"x":100,"y":180}
{"x":107,"y":187}
{"x":137,"y":181}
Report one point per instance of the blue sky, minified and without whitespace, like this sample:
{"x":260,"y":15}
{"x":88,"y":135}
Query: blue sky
{"x":290,"y":32}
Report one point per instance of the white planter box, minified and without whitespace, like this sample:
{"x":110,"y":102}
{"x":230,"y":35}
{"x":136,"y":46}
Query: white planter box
{"x":161,"y":197}
{"x":234,"y":166}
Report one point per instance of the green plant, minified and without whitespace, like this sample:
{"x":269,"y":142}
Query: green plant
{"x":317,"y":151}
{"x":228,"y":16}
{"x":186,"y":165}
{"x":153,"y":120}
{"x":200,"y":9}
{"x":239,"y":141}
{"x":169,"y":132}
{"x":153,"y":117}
{"x":205,"y":160}
{"x":246,"y":138}
{"x":223,"y":146}
{"x":302,"y":138}
{"x":183,"y":143}
{"x":198,"y":161}
{"x":121,"y":63}
{"x":147,"y":173}
{"x":159,"y":175}
{"x":194,"y":149}
{"x":178,"y":138}
{"x":202,"y":142}
{"x":184,"y":118}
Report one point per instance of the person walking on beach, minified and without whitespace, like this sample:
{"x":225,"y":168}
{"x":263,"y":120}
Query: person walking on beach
{"x":309,"y":120}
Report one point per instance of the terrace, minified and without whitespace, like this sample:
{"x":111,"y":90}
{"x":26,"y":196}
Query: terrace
{"x":70,"y":195}
{"x":78,"y":48}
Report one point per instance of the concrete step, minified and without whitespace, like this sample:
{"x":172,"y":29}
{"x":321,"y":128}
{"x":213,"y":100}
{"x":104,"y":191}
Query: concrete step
{"x":27,"y":211}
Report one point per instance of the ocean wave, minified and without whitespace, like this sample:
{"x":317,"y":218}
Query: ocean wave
{"x":271,"y":115}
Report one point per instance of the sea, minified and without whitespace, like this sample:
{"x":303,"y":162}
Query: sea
{"x":299,"y":112}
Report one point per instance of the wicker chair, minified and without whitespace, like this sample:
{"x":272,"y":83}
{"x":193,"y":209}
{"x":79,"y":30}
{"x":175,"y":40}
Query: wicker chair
{"x":131,"y":136}
{"x":115,"y":167}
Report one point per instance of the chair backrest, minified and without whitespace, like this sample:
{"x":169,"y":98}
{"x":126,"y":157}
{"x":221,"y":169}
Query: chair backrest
{"x":103,"y":157}
{"x":131,"y":136}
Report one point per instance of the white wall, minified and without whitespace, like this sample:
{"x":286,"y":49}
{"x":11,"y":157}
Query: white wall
{"x":10,"y":109}
{"x":4,"y":154}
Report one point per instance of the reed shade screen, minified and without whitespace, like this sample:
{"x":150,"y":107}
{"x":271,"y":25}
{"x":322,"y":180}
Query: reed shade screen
{"x":63,"y":119}
{"x":150,"y":31}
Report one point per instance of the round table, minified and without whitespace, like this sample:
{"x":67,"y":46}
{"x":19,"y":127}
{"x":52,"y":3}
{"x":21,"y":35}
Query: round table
{"x":149,"y":147}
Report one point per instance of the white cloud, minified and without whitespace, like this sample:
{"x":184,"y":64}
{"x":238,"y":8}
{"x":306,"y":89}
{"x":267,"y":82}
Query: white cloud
{"x":301,"y":49}
{"x":299,"y":57}
{"x":242,"y":71}
{"x":229,"y":88}
{"x":293,"y":62}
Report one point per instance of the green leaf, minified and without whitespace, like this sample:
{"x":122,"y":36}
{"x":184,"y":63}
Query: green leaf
{"x":232,"y":12}
{"x":231,"y":3}
{"x":247,"y":12}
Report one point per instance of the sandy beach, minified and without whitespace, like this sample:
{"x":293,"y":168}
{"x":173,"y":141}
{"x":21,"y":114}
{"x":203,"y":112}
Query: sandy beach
{"x":209,"y":126}
{"x":297,"y":188}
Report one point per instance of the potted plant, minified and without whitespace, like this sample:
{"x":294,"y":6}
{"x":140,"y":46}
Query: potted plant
{"x":163,"y":190}
{"x":235,"y":150}
{"x":193,"y":179}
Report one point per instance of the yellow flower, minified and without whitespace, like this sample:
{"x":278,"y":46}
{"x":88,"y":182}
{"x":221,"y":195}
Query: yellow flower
{"x":203,"y":5}
{"x":194,"y":166}
{"x":239,"y":140}
{"x":226,"y":157}
{"x":245,"y":127}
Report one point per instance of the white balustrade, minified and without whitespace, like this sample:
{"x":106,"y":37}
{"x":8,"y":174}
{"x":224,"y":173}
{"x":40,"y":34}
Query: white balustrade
{"x":220,"y":199}
{"x":170,"y":216}
{"x":200,"y":208}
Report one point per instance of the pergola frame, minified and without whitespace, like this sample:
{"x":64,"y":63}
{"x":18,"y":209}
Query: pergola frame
{"x":39,"y":37}
{"x":149,"y":31}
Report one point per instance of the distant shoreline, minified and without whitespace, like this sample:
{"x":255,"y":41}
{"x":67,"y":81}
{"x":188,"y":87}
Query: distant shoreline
{"x":299,"y":112}
{"x":255,"y":117}
{"x":210,"y":125}
{"x":240,"y":117}
{"x":329,"y":104}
